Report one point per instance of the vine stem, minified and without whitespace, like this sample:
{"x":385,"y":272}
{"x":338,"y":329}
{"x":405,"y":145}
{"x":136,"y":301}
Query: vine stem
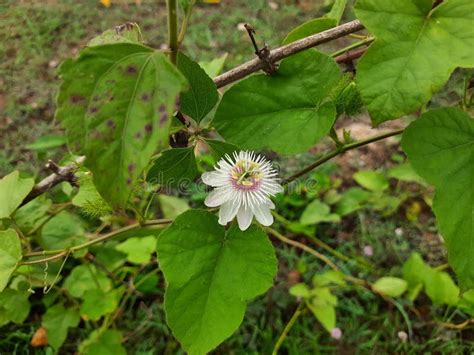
{"x":56,"y":254}
{"x":288,"y":326}
{"x":355,"y":45}
{"x":184,"y":25}
{"x":173,"y":28}
{"x":304,"y":247}
{"x":339,"y":151}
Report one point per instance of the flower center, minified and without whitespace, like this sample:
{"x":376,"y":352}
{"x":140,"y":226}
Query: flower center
{"x":246,"y":175}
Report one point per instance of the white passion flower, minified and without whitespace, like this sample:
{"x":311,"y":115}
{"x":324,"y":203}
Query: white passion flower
{"x":243,"y":187}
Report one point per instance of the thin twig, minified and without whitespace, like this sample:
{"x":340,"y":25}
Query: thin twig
{"x":287,"y":328}
{"x":339,"y":151}
{"x":56,"y":254}
{"x":278,"y":54}
{"x":60,"y":175}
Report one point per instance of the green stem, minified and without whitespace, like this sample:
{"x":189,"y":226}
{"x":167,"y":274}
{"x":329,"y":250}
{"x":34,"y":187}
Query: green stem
{"x":353,"y":46}
{"x":288,"y":326}
{"x":184,"y":25}
{"x":56,"y":254}
{"x":339,"y":151}
{"x":173,"y":28}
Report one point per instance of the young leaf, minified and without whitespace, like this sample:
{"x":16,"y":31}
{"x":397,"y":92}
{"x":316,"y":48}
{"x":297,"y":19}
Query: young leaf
{"x":174,"y":167}
{"x":202,"y":96}
{"x":85,"y":277}
{"x":390,"y":286}
{"x":440,"y":146}
{"x":138,"y":250}
{"x":115,"y":103}
{"x":396,"y":76}
{"x":13,"y":190}
{"x":103,"y":342}
{"x":317,"y":212}
{"x":285,"y":112}
{"x":10,"y":255}
{"x":57,"y":320}
{"x":211,"y":273}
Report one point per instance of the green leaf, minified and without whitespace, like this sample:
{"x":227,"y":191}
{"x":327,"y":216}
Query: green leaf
{"x":337,"y":10}
{"x":390,"y":286}
{"x":395,"y":77}
{"x":202,"y":96}
{"x":211,"y":274}
{"x":47,"y":142}
{"x":415,"y":272}
{"x":57,"y":320}
{"x":317,"y":212}
{"x":10,"y":255}
{"x":286,"y":112}
{"x":100,"y":342}
{"x":33,"y":214}
{"x":214,"y":67}
{"x":126,"y":33}
{"x":62,"y":231}
{"x":98,"y":303}
{"x":115,"y":103}
{"x":299,"y":290}
{"x":138,"y":250}
{"x":371,"y":180}
{"x":351,"y":201}
{"x":329,"y":277}
{"x":86,"y":277}
{"x":13,"y":191}
{"x":405,"y":172}
{"x":309,"y":28}
{"x":440,"y":146}
{"x":220,"y":148}
{"x":172,"y":206}
{"x":323,"y":307}
{"x":88,"y":198}
{"x":14,"y":306}
{"x":174,"y":167}
{"x":441,"y":288}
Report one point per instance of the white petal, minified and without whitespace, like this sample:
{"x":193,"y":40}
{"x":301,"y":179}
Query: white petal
{"x":270,"y":204}
{"x":217,"y":197}
{"x":214,"y":179}
{"x":263,"y":214}
{"x":244,"y":217}
{"x":227,"y":212}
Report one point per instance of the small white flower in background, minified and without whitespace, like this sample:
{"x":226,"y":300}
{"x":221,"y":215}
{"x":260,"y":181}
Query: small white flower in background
{"x":403,"y":336}
{"x":243,"y":187}
{"x":336,"y":333}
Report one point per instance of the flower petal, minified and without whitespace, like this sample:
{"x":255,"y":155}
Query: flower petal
{"x":217,"y":197}
{"x":227,"y":212}
{"x":263,"y":214}
{"x":244,"y":217}
{"x":214,"y":179}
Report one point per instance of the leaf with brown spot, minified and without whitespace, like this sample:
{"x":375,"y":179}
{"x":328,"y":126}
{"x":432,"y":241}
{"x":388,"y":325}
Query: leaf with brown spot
{"x":107,"y":131}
